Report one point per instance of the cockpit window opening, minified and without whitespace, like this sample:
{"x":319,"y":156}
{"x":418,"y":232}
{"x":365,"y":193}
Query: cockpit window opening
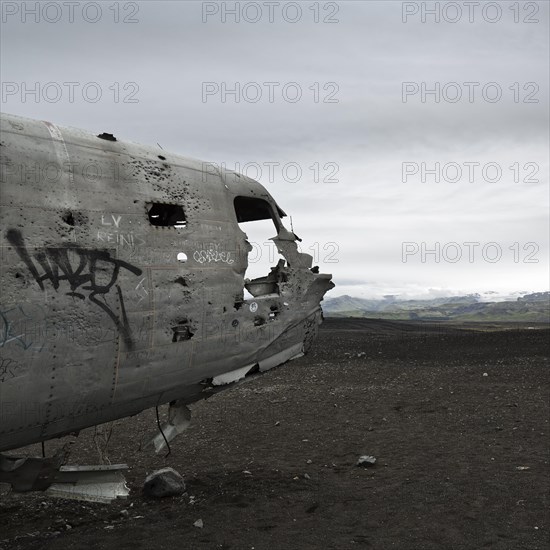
{"x":257,"y":218}
{"x":249,"y":209}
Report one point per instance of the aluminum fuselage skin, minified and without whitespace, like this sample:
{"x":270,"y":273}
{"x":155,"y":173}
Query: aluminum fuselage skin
{"x":103,"y":313}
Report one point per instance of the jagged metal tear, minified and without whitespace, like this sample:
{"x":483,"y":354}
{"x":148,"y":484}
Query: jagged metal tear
{"x":91,"y":483}
{"x":293,"y":352}
{"x":179,"y":415}
{"x":233,"y":376}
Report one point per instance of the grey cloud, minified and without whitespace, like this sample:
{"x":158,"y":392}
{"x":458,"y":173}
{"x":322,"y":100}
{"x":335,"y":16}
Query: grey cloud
{"x":369,"y":133}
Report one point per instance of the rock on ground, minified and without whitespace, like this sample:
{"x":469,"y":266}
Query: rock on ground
{"x":164,"y":483}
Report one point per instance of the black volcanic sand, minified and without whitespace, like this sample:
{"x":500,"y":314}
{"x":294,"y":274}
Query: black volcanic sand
{"x":457,"y":420}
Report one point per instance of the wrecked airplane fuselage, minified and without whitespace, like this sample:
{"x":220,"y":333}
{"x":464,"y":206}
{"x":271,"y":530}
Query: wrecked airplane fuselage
{"x":123,"y":281}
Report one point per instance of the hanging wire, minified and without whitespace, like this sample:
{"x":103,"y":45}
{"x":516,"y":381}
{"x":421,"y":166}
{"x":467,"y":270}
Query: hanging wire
{"x":101,"y":446}
{"x":160,"y":429}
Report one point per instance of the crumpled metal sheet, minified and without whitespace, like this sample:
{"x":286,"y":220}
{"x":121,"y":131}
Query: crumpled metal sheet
{"x":90,"y":483}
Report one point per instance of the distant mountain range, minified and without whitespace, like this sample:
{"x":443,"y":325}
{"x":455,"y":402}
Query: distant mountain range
{"x":528,"y":308}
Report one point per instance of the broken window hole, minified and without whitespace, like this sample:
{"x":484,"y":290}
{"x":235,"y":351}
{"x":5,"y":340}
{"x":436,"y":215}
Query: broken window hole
{"x":182,"y":332}
{"x":182,"y":257}
{"x":273,"y":312}
{"x":68,"y":218}
{"x":167,"y":215}
{"x":106,"y":136}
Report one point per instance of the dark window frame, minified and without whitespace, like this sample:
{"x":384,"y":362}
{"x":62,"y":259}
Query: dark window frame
{"x":166,"y":215}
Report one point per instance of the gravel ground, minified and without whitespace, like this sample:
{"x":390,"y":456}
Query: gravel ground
{"x":456,"y":418}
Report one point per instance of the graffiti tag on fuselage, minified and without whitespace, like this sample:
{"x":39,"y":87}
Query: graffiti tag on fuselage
{"x":92,"y":271}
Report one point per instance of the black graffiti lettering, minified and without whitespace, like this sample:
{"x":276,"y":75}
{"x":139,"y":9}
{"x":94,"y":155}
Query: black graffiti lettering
{"x":122,"y":324}
{"x":91,"y":270}
{"x":16,"y":239}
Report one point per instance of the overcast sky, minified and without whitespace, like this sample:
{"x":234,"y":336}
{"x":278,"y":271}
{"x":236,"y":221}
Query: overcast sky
{"x":363,"y":128}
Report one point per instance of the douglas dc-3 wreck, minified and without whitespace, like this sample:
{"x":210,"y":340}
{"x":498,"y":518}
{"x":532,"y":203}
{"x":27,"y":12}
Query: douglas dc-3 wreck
{"x":123,"y":288}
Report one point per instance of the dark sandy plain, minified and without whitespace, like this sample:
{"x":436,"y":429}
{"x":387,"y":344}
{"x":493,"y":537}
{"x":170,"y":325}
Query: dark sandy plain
{"x":456,"y":416}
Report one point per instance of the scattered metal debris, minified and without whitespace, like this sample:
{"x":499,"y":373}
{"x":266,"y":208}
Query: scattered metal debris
{"x":366,"y":461}
{"x":91,"y":483}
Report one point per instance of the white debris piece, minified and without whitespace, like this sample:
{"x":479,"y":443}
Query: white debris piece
{"x":366,"y":461}
{"x":102,"y":483}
